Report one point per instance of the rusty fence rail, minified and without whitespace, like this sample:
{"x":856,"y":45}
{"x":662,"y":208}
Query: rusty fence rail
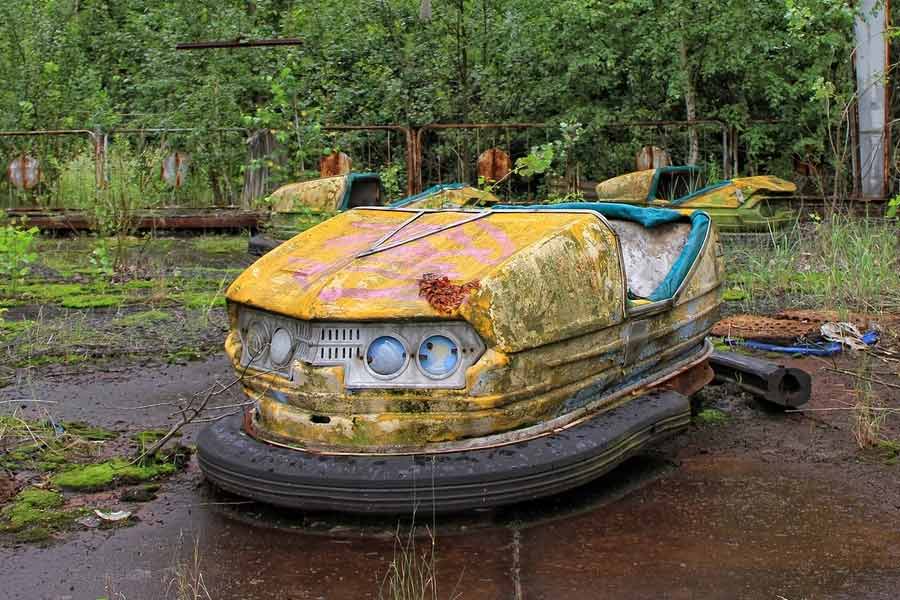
{"x":233,"y":166}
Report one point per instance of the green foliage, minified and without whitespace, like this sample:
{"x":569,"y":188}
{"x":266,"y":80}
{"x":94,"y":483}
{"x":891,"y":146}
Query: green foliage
{"x":893,"y":205}
{"x":95,"y":64}
{"x":101,"y":259}
{"x":391,"y":180}
{"x":16,"y":252}
{"x":840,"y":262}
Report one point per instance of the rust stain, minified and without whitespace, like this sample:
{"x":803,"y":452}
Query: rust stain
{"x":494,"y":164}
{"x":442,"y":294}
{"x":336,"y":163}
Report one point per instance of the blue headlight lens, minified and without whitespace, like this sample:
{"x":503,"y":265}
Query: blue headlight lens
{"x":386,"y":355}
{"x":438,"y":355}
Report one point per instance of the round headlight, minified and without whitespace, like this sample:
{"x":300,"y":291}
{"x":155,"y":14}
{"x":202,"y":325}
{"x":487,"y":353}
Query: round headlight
{"x":282,"y":347}
{"x":257,"y":339}
{"x":438,"y":356}
{"x":386,"y":355}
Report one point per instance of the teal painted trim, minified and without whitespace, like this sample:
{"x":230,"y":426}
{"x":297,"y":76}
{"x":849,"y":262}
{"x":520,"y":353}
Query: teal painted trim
{"x":701,"y":191}
{"x":654,"y":185}
{"x":645,"y":215}
{"x":648,"y":217}
{"x":352,"y":178}
{"x":689,"y":254}
{"x":433,"y":190}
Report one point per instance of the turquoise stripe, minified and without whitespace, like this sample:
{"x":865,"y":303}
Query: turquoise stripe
{"x":433,"y":190}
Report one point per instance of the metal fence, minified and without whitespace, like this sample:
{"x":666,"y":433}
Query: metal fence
{"x":184,"y":167}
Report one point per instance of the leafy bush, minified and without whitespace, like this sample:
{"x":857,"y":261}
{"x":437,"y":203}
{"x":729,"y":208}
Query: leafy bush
{"x":16,"y":251}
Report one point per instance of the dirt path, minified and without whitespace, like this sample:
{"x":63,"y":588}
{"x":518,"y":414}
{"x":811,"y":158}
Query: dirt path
{"x":760,"y":505}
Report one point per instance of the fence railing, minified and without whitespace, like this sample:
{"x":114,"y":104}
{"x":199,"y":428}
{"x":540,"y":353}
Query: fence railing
{"x":187,"y":167}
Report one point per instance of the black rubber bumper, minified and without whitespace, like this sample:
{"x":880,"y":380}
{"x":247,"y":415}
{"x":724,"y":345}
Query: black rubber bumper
{"x":454,"y":481}
{"x":261,"y":244}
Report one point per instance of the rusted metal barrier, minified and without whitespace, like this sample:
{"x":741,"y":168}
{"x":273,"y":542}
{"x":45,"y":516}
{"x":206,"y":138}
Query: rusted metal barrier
{"x":174,"y":219}
{"x":785,"y":386}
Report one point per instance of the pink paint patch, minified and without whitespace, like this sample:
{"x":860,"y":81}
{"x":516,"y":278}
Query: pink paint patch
{"x":399,"y":293}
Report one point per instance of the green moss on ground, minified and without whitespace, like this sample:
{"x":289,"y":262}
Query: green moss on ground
{"x":35,"y":514}
{"x":220,"y":244}
{"x":147,"y":317}
{"x":10,"y":330}
{"x":99,"y":476}
{"x":734,"y":295}
{"x":184,"y":355}
{"x":140,"y":284}
{"x":203,"y":300}
{"x":711,"y":416}
{"x":56,"y":447}
{"x":890,"y":450}
{"x":92,"y":301}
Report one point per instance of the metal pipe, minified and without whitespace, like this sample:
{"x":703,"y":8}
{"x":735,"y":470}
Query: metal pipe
{"x":784,"y":386}
{"x":238,"y":43}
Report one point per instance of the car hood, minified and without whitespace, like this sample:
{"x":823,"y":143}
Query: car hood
{"x":514,"y":257}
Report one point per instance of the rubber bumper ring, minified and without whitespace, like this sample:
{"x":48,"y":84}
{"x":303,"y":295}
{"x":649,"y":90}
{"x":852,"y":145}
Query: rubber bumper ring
{"x":261,"y":244}
{"x":453,"y":481}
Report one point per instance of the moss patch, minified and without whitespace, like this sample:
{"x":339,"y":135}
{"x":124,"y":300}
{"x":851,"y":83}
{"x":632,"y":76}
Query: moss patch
{"x":221,"y":245}
{"x":202,"y":300}
{"x":711,"y":416}
{"x":9,"y":330}
{"x":56,"y":445}
{"x":150,"y":436}
{"x":92,"y":301}
{"x":147,"y":317}
{"x":106,"y":474}
{"x":734,"y":295}
{"x":35,"y":514}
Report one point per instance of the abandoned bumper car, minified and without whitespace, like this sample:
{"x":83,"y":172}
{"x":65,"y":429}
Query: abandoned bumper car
{"x":758,"y":203}
{"x":297,"y":206}
{"x":452,"y":359}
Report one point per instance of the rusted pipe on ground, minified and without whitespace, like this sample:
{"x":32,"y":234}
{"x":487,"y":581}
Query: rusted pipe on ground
{"x":785,"y":386}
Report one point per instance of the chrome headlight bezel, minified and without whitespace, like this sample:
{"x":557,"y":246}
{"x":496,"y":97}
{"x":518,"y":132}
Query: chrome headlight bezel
{"x":330,"y":343}
{"x":387,"y":376}
{"x":439,"y":376}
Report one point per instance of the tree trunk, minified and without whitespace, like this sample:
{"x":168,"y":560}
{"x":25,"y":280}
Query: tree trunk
{"x":690,"y":103}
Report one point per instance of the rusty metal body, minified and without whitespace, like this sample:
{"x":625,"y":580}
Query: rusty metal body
{"x":179,"y":219}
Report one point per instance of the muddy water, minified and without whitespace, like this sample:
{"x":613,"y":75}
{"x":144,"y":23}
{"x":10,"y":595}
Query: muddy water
{"x":763,"y":506}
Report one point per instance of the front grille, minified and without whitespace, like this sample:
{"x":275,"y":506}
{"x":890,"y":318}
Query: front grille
{"x":322,"y":343}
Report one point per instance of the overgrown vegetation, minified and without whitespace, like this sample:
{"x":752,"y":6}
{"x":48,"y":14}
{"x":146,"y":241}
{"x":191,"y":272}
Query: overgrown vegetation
{"x":73,"y":306}
{"x":840,"y":262}
{"x":58,"y":457}
{"x":780,"y":73}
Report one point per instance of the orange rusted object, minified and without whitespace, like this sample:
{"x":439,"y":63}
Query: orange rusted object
{"x":766,"y":329}
{"x":336,"y":163}
{"x":24,"y":172}
{"x":442,"y":294}
{"x":494,"y":164}
{"x":691,"y":380}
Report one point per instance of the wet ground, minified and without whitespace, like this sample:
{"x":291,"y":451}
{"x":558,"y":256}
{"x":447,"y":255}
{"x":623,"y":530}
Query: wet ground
{"x":760,"y":505}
